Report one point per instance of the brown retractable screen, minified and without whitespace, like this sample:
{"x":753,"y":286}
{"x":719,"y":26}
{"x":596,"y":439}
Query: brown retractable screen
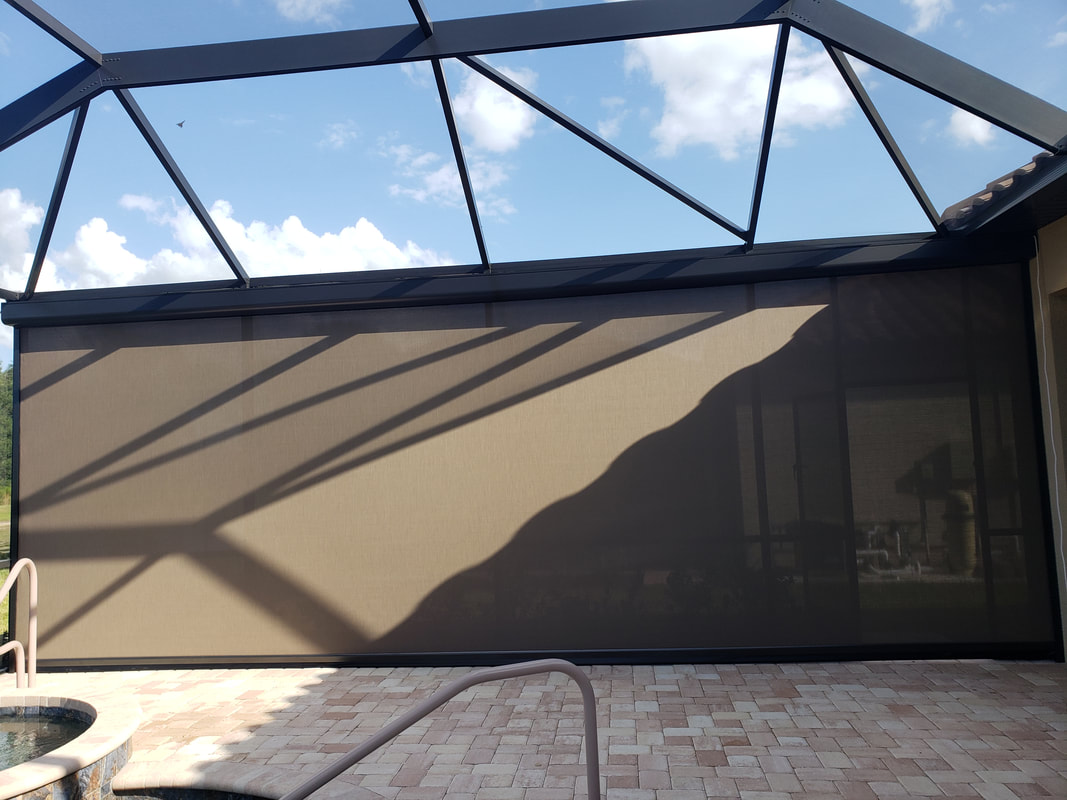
{"x":843,"y":461}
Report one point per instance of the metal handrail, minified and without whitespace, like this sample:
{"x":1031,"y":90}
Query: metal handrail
{"x":446,"y":693}
{"x":25,"y":661}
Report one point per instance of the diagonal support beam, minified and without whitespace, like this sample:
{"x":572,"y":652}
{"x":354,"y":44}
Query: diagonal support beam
{"x":50,"y":217}
{"x":461,"y":164}
{"x":50,"y":101}
{"x":880,"y":128}
{"x":929,"y":69}
{"x":768,"y":132}
{"x":608,"y":149}
{"x":419,"y":10}
{"x":180,"y":181}
{"x":57,"y":30}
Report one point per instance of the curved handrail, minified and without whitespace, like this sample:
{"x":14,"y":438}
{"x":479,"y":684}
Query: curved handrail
{"x":30,"y":655}
{"x":20,"y":661}
{"x":446,"y":693}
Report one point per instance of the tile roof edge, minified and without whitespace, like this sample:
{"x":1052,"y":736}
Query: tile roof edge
{"x":1004,"y":192}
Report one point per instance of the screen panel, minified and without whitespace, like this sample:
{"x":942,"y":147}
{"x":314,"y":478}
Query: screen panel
{"x":686,"y":469}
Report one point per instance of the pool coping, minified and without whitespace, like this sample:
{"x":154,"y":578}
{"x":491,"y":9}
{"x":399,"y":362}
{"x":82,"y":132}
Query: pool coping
{"x":114,"y":721}
{"x":258,"y":780}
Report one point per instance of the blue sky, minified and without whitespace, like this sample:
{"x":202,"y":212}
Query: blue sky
{"x":350,"y":170}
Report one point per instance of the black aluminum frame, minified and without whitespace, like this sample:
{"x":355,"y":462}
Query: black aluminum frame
{"x":839,"y":28}
{"x":827,"y":20}
{"x":842,"y":31}
{"x":77,"y":124}
{"x":1008,"y":651}
{"x":515,"y":281}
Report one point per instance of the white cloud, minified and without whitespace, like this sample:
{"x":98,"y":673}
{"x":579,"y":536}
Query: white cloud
{"x":1058,"y":39}
{"x":420,"y":73}
{"x":321,"y":11}
{"x":486,"y":176}
{"x":292,"y":249}
{"x":715,"y":88}
{"x":339,"y":134}
{"x":497,"y":120}
{"x":139,"y":202}
{"x":409,"y":160}
{"x":928,"y":14}
{"x":814,"y":95}
{"x":5,"y":44}
{"x":997,"y":8}
{"x":611,"y":126}
{"x":430,"y":179}
{"x":99,"y":256}
{"x":17,"y":218}
{"x":440,"y":185}
{"x":967,"y":129}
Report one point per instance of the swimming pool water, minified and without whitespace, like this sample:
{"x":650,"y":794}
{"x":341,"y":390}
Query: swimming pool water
{"x":26,"y":735}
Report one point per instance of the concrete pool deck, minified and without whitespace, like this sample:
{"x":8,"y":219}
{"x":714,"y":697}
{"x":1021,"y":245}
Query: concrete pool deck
{"x":989,"y":729}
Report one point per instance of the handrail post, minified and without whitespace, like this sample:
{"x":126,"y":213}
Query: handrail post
{"x":30,"y":655}
{"x":31,"y":628}
{"x":446,"y":693}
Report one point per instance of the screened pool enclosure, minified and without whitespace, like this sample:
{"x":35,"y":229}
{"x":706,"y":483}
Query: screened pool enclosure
{"x":822,"y":447}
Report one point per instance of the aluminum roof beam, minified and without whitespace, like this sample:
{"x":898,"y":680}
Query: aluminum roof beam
{"x":919,"y":64}
{"x":388,"y":45}
{"x":929,"y":69}
{"x":771,"y":111}
{"x":840,"y":29}
{"x":419,"y":10}
{"x":181,"y":183}
{"x":77,"y":124}
{"x":880,"y":128}
{"x":426,"y":26}
{"x":49,"y":101}
{"x":528,"y":30}
{"x":600,"y":144}
{"x":461,"y":163}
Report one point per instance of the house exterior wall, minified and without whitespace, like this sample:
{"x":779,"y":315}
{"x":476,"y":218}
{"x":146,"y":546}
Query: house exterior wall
{"x":840,"y":462}
{"x":1049,"y":282}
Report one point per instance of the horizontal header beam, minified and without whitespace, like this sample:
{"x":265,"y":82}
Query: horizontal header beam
{"x":516,"y":281}
{"x":554,"y":27}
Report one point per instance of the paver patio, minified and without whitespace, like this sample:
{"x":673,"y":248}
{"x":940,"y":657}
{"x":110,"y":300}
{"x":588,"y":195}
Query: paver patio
{"x":986,"y":729}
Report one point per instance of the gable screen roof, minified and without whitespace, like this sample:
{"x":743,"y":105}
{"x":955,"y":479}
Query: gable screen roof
{"x":850,"y":40}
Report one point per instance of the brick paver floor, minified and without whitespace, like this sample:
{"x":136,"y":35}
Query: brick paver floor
{"x":980,"y":729}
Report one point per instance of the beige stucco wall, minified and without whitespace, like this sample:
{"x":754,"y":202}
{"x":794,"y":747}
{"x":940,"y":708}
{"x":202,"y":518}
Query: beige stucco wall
{"x":1049,"y":281}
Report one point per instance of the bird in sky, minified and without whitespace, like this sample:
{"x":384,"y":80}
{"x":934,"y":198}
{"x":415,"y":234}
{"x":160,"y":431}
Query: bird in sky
{"x":181,"y":124}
